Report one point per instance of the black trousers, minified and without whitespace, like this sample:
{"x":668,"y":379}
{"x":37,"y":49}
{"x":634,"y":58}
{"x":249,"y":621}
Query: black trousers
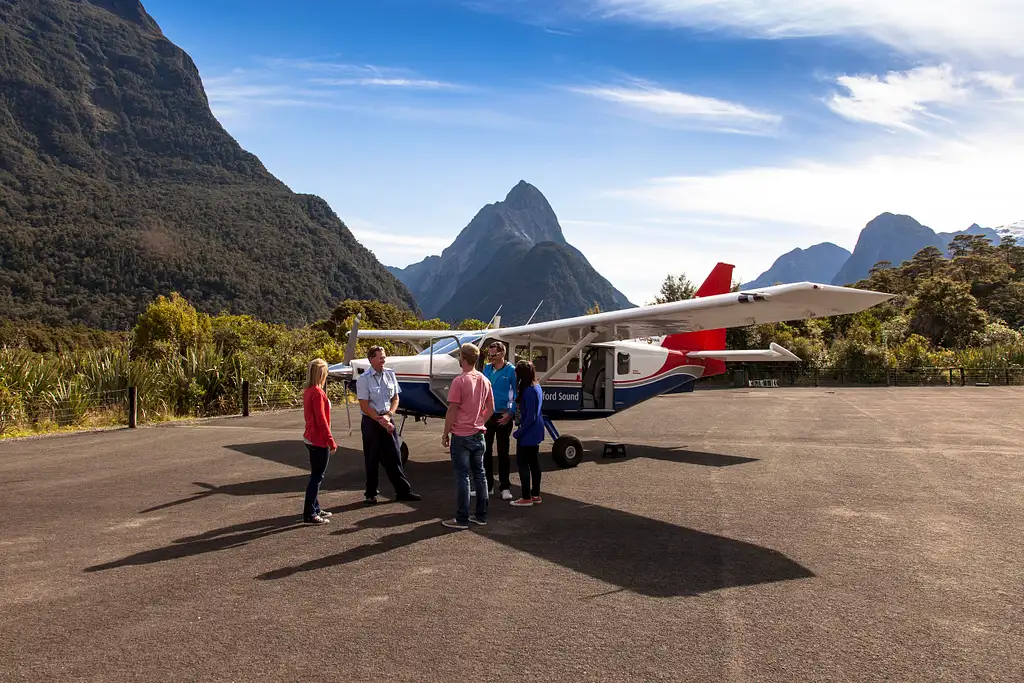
{"x":318,"y":458}
{"x":381,"y":448}
{"x":528,"y":458}
{"x":502,"y":434}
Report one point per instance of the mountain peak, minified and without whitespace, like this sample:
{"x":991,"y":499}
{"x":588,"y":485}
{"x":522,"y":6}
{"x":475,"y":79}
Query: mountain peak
{"x":526,"y":197}
{"x":817,"y":263}
{"x":129,"y":10}
{"x":499,"y":236}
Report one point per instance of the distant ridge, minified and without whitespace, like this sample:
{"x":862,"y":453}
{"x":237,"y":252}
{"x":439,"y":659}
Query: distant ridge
{"x":887,"y":237}
{"x":818,"y":263}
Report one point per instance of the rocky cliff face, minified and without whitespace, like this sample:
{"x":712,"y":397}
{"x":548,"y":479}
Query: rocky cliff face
{"x":117,"y":183}
{"x":513,"y":254}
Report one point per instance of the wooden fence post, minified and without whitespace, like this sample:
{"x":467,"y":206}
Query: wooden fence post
{"x":133,"y":407}
{"x":245,"y":398}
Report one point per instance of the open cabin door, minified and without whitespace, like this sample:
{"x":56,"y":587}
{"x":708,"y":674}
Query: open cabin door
{"x":598,"y":378}
{"x":563,"y":390}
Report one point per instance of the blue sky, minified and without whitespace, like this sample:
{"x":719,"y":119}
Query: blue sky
{"x":667,"y":134}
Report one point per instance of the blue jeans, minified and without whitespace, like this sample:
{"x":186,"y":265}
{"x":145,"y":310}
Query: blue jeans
{"x":318,"y":458}
{"x":468,"y":457}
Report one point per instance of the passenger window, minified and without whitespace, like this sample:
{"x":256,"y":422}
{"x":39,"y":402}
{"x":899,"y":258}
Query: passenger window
{"x":622,"y":364}
{"x":522,"y":353}
{"x":541,"y":358}
{"x":573,"y":366}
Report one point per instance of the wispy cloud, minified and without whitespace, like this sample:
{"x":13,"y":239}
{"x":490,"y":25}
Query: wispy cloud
{"x":393,"y":247}
{"x":358,"y":74}
{"x":979,"y":27}
{"x":382,"y":91}
{"x":385,"y":82}
{"x":369,"y":75}
{"x":947,"y":184}
{"x":900,"y":98}
{"x":706,"y":111}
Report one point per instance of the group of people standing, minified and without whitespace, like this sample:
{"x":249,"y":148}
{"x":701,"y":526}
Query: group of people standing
{"x":483,"y":410}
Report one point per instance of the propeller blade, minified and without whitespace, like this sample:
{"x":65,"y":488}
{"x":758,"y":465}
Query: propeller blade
{"x":350,"y":348}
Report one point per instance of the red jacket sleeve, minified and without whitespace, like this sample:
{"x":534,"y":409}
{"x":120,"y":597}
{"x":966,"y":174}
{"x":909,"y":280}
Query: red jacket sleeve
{"x":323,"y":419}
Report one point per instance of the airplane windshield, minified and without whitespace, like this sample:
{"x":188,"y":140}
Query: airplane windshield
{"x":448,"y":345}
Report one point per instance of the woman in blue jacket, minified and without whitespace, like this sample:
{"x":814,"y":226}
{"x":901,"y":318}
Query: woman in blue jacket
{"x":529,"y":435}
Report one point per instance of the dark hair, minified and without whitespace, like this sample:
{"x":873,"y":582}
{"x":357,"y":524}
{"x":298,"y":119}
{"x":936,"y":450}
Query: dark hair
{"x":525,"y":376}
{"x":372,"y":353}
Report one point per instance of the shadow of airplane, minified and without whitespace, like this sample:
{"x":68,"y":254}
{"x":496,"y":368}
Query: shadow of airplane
{"x":635,"y":553}
{"x":595,"y":450}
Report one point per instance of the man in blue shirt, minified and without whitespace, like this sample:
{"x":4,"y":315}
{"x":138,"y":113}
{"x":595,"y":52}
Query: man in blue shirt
{"x":377,"y":390}
{"x":502,"y":376}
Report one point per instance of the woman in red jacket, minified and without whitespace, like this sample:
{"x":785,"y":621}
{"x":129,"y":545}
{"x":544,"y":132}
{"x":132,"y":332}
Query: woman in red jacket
{"x":317,"y":409}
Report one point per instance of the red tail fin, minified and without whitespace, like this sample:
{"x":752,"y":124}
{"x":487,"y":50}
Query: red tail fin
{"x":718,"y":282}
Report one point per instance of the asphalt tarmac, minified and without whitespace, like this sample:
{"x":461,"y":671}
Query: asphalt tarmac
{"x":765,"y":534}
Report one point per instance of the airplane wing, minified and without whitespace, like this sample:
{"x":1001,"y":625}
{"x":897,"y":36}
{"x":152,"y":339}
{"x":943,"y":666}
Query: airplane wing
{"x":414,"y":335}
{"x":779,"y":303}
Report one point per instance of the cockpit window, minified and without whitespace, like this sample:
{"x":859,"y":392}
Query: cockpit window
{"x":448,"y":345}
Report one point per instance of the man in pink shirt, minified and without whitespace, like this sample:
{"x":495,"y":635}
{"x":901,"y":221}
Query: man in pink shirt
{"x":470,"y":404}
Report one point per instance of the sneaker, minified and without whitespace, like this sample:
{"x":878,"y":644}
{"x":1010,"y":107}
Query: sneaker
{"x":316,"y":519}
{"x":454,"y":524}
{"x":522,"y":502}
{"x":325,"y":513}
{"x":370,"y":500}
{"x":409,"y":496}
{"x":536,"y":500}
{"x":477,"y":520}
{"x":506,"y":494}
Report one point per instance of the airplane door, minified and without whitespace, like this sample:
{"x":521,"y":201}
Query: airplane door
{"x":598,"y":378}
{"x":562,"y":390}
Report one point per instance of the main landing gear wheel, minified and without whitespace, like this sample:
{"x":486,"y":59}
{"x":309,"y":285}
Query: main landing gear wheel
{"x":567,"y":451}
{"x":405,"y":453}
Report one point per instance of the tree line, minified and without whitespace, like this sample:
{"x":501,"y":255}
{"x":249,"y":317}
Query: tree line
{"x":961,"y":309}
{"x":182,"y":362}
{"x":964,"y":308}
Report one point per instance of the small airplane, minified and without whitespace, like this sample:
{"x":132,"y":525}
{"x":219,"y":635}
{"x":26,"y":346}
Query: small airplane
{"x":594,"y":366}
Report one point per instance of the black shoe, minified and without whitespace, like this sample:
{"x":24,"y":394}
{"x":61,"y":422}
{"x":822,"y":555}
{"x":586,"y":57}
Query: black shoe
{"x":409,"y":496}
{"x":370,"y":500}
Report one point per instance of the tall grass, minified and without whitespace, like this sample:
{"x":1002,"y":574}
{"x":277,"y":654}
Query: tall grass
{"x":42,"y":392}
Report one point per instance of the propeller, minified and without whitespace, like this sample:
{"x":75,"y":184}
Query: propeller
{"x":350,"y":353}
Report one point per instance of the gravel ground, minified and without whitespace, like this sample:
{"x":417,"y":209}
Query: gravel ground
{"x":772,"y":534}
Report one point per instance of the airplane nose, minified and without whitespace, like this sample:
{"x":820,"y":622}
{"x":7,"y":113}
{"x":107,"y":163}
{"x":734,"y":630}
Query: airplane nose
{"x":851,"y":300}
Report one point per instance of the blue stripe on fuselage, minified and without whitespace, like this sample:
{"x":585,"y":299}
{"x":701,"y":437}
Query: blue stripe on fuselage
{"x":417,"y":399}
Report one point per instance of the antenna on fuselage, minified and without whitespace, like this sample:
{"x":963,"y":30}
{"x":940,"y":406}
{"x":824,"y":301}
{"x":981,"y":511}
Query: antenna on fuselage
{"x":535,"y":311}
{"x":488,"y":325}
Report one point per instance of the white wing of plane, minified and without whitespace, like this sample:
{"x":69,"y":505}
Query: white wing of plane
{"x":798,"y":301}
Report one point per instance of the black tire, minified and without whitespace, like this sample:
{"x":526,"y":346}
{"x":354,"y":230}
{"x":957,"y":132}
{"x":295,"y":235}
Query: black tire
{"x":405,"y":453}
{"x":567,"y":451}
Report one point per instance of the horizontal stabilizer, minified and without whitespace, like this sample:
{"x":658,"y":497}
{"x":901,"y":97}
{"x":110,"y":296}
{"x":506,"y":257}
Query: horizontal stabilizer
{"x":773,"y":353}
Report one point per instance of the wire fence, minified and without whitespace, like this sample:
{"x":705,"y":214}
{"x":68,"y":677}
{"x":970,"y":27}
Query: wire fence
{"x":772,"y":375}
{"x":67,"y":407}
